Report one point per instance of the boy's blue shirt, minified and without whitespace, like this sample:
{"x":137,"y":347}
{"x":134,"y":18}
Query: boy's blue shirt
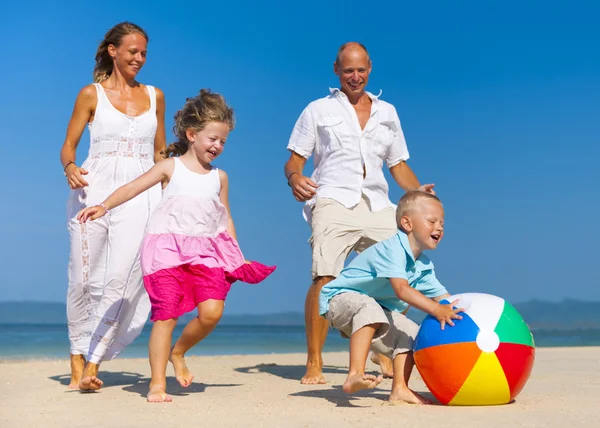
{"x":370,"y":271}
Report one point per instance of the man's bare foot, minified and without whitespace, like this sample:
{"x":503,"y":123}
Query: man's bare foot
{"x":90,"y":383}
{"x":182,"y":373}
{"x":158,"y":394}
{"x":77,"y":366}
{"x":385,"y":364}
{"x":313,"y":376}
{"x":360,"y":381}
{"x":408,"y":396}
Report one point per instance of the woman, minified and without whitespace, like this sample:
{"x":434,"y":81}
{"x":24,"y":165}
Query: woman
{"x":107,"y":305}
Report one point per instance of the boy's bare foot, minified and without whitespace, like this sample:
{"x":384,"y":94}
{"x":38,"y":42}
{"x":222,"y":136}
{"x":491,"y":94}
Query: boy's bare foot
{"x":313,"y":375}
{"x":158,"y":394}
{"x":385,"y":364}
{"x":360,"y":381}
{"x":182,"y":373}
{"x":77,"y":366}
{"x":90,"y":381}
{"x":408,"y":396}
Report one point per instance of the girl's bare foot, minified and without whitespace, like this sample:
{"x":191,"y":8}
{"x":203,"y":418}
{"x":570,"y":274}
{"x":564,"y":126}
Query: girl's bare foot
{"x":182,"y":373}
{"x":77,"y":366}
{"x":158,"y":394}
{"x":408,"y":396}
{"x":385,"y":364}
{"x":360,"y":381}
{"x":90,"y":381}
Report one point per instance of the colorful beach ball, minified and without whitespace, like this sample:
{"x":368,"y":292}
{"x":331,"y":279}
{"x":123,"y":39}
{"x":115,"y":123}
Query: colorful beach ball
{"x":485,"y":359}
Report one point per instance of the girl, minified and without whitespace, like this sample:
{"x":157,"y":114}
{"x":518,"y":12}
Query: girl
{"x":106,"y":303}
{"x":190,"y":256}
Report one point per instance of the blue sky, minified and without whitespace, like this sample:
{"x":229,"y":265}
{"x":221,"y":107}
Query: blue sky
{"x":498,"y":101}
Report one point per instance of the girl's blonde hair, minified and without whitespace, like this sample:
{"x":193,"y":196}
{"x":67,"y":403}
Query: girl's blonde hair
{"x":104,"y":62}
{"x":197,"y":112}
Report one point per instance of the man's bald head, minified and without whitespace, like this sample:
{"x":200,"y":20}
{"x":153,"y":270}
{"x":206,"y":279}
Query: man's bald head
{"x":353,"y":66}
{"x":351,"y":47}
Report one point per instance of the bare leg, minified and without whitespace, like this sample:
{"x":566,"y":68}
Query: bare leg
{"x":209,"y":314}
{"x":360,"y":342}
{"x":158,"y":353}
{"x":403,"y":365}
{"x":77,"y":365}
{"x":316,"y":332}
{"x":386,"y":364}
{"x":89,"y":380}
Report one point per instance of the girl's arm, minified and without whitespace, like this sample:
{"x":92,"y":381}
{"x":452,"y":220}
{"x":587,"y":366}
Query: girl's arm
{"x":162,"y":171}
{"x":160,"y":140}
{"x":82,"y":113}
{"x":224,"y":197}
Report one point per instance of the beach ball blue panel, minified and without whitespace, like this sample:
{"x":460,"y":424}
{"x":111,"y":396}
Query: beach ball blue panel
{"x":431,"y":334}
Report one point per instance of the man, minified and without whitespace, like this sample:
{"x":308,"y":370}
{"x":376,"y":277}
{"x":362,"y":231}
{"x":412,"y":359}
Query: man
{"x":351,"y":133}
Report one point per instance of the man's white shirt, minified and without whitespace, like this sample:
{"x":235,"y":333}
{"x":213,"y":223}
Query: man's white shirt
{"x":328,"y":128}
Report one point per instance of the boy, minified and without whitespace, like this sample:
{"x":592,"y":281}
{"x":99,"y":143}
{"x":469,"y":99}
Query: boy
{"x":367,"y":301}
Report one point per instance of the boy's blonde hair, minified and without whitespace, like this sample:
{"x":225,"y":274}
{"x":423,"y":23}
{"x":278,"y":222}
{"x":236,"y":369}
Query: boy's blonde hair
{"x":410,"y":200}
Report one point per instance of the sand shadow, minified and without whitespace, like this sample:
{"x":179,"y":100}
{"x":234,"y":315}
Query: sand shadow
{"x":288,"y":371}
{"x":174,"y":388}
{"x":109,"y":378}
{"x":337,"y":396}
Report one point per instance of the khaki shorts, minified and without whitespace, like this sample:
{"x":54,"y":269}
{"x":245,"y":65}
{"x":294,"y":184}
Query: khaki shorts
{"x":349,"y":312}
{"x":337,"y":231}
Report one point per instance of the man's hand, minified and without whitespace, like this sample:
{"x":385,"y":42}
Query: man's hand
{"x":303,"y":188}
{"x":427,"y":188}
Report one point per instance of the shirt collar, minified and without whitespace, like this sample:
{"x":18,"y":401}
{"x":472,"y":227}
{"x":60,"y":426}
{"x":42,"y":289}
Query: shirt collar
{"x":338,"y":92}
{"x":422,"y":260}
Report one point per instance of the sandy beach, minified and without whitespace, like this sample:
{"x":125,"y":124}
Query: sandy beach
{"x":264,"y":391}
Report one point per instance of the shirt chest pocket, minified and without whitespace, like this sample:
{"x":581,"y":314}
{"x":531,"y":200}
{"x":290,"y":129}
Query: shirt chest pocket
{"x":383,"y":137}
{"x":332,"y":132}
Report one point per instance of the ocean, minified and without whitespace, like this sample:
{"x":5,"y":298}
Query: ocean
{"x":49,"y":341}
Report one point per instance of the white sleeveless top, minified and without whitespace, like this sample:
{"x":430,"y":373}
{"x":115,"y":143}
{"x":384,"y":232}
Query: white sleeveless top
{"x":190,"y":205}
{"x":189,"y":183}
{"x":113,"y":133}
{"x":121,"y":149}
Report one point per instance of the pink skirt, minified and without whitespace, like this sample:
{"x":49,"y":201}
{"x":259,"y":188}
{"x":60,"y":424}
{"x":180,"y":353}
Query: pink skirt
{"x":178,"y":290}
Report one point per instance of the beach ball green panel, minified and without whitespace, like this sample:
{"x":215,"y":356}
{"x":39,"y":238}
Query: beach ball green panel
{"x":512,"y":328}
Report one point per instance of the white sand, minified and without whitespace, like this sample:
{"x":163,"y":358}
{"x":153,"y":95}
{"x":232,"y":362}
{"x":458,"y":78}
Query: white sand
{"x":264,"y":391}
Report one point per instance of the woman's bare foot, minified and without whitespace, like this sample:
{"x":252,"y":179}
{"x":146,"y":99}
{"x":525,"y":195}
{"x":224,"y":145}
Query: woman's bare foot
{"x":158,"y":394}
{"x":360,"y":381}
{"x":182,"y":373}
{"x":408,"y":396}
{"x":385,"y":364}
{"x":90,"y":381}
{"x":77,"y":366}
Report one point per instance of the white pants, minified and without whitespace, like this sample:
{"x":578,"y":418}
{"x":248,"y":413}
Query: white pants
{"x":107,"y":305}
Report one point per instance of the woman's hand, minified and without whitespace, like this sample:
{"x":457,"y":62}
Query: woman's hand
{"x":75,"y":175}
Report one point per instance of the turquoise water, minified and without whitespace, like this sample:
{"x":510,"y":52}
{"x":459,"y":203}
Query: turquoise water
{"x":31,"y":341}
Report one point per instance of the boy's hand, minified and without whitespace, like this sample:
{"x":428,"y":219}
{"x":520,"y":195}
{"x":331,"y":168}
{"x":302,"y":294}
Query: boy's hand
{"x":445,"y":314}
